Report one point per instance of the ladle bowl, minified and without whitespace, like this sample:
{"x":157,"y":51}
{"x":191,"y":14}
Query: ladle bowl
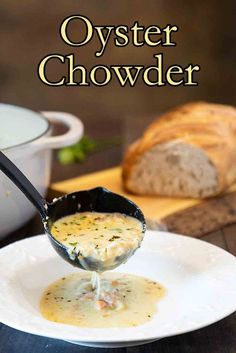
{"x":98,"y":199}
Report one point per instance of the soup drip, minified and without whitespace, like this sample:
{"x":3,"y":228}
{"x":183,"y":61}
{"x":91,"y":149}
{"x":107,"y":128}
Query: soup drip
{"x":96,"y":283}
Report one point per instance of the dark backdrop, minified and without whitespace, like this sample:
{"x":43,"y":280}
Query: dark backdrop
{"x":29,"y":30}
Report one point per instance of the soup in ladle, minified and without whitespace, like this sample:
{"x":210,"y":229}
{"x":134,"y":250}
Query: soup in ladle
{"x":104,"y":238}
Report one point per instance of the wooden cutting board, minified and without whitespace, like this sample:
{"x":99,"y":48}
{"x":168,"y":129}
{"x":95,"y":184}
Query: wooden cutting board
{"x":186,"y":216}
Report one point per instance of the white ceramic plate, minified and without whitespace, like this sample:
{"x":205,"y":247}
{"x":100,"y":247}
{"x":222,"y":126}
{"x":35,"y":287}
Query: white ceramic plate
{"x":200,"y":279}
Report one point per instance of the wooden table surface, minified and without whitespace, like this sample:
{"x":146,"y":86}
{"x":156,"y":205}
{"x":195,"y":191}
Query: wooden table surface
{"x":217,"y":338}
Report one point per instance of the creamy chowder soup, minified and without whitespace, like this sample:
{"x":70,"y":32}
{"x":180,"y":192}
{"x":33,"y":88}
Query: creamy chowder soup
{"x":104,"y":237}
{"x":123,"y":300}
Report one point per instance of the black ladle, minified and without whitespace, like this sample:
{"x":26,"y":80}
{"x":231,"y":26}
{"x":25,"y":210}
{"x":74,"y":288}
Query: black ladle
{"x":98,"y":199}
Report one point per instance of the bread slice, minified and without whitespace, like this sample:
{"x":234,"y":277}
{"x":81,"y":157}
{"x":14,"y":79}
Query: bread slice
{"x":188,"y":152}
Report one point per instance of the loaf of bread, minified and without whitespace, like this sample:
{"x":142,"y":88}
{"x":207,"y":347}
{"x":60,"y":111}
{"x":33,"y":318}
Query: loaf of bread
{"x":188,"y":152}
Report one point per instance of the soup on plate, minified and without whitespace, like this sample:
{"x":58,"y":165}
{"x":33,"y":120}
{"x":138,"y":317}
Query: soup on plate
{"x":124,"y":300}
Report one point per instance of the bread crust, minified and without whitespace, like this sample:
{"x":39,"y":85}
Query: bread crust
{"x":210,"y":127}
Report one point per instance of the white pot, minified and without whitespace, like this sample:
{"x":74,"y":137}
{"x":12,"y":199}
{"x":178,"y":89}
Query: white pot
{"x":25,"y":138}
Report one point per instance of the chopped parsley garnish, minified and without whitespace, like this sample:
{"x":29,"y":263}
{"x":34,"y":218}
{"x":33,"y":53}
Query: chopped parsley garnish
{"x":74,"y":244}
{"x":116,"y":230}
{"x":114,"y":237}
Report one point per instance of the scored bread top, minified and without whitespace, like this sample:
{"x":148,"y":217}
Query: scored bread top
{"x":211,"y":127}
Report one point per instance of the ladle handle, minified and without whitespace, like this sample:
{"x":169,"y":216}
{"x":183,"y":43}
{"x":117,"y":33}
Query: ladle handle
{"x":20,"y":180}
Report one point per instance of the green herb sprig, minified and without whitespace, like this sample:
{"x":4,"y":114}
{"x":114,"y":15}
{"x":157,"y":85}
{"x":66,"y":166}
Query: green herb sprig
{"x":78,"y":152}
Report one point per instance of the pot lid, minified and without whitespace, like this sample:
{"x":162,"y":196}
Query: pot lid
{"x":20,"y":125}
